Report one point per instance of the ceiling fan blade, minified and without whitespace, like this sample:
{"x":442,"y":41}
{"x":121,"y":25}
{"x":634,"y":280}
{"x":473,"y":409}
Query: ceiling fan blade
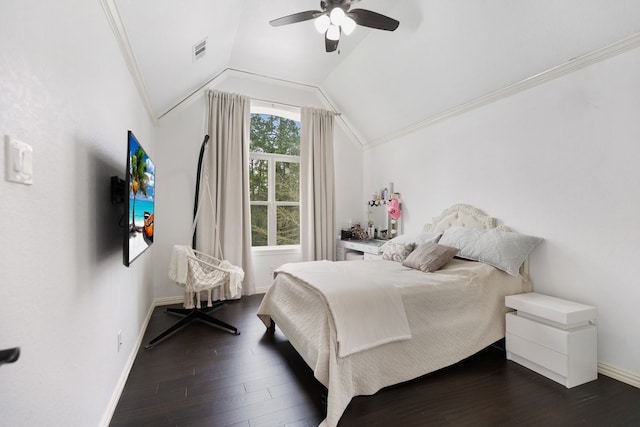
{"x":296,"y":17}
{"x":330,"y":45}
{"x":370,"y":19}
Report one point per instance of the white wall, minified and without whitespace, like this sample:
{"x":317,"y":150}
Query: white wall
{"x":64,"y":292}
{"x":179,"y":139}
{"x":559,"y":161}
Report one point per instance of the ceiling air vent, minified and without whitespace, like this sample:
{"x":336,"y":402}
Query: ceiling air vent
{"x":199,"y":49}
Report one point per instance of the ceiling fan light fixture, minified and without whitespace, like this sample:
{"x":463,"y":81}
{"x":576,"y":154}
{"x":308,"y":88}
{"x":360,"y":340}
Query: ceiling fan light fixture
{"x":333,"y":33}
{"x":337,"y":16}
{"x":348,"y":25}
{"x":322,"y":23}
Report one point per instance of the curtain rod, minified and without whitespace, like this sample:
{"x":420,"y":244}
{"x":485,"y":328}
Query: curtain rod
{"x":284,"y":104}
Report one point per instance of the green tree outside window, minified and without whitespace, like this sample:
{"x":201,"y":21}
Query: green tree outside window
{"x":274,"y":180}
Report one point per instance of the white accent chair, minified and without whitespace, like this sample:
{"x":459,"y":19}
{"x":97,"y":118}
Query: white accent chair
{"x":198,"y":272}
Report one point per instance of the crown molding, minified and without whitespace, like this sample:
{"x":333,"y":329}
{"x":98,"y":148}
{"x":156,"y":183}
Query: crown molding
{"x":112,"y":13}
{"x":115,"y":22}
{"x":227,"y":73}
{"x":570,"y":66}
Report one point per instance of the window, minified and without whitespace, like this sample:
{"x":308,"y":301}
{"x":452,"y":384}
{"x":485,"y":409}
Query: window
{"x":274,"y":177}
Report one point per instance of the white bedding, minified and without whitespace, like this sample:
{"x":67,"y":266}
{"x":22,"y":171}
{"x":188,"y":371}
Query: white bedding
{"x":452,"y":314}
{"x":364,"y":303}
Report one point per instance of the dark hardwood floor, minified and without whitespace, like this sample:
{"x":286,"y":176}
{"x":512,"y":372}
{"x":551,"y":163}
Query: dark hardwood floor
{"x":202,"y":376}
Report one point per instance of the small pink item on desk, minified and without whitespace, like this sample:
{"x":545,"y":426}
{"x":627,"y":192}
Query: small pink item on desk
{"x":394,"y":209}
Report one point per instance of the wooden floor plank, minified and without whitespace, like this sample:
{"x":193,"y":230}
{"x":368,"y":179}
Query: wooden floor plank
{"x":203,"y":376}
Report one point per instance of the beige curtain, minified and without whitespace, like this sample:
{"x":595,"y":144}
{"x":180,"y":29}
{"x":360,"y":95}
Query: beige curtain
{"x":317,"y":205}
{"x":227,"y":219}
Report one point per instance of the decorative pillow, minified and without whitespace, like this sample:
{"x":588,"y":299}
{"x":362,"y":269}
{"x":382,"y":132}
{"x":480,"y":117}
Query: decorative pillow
{"x":417,"y":239}
{"x":430,"y":257}
{"x":397,"y":251}
{"x":505,"y":250}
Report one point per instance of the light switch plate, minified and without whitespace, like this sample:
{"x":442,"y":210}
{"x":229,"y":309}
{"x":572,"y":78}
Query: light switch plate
{"x":19,"y":161}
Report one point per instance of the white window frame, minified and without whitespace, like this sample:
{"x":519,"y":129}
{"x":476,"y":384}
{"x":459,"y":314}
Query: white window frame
{"x":288,"y":112}
{"x":271,"y":203}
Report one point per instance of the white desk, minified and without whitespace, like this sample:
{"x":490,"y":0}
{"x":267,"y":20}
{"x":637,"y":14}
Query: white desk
{"x":553,"y":337}
{"x":361,"y":249}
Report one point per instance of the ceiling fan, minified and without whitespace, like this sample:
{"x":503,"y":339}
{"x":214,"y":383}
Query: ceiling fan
{"x":337,"y":17}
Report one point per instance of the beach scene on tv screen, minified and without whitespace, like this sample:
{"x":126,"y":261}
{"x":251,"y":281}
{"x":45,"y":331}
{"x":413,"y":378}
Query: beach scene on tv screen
{"x":141,"y":199}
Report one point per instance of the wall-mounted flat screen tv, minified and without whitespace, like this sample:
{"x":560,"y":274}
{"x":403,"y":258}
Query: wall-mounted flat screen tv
{"x":140,"y":187}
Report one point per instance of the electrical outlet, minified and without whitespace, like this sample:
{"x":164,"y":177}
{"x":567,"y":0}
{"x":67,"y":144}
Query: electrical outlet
{"x":119,"y":339}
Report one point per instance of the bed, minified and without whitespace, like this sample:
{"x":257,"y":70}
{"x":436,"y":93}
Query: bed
{"x":364,"y":325}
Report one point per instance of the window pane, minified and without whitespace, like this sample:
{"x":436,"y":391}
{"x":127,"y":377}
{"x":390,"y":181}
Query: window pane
{"x":273,"y":134}
{"x":288,"y":225}
{"x":274,"y":180}
{"x":259,"y":180}
{"x":287,"y":182}
{"x":259,"y":226}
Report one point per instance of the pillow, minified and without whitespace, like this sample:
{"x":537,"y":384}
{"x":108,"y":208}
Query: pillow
{"x":397,"y":251}
{"x":430,"y":257}
{"x":417,"y":239}
{"x":428,"y":237}
{"x":505,"y":250}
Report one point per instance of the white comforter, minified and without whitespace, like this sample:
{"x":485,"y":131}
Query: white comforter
{"x":452,"y":314}
{"x":365,"y":310}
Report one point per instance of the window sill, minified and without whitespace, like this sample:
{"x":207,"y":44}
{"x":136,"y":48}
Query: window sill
{"x":276,"y":250}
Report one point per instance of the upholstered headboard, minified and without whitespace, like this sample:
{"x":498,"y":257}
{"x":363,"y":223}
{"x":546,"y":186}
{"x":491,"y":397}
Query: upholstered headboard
{"x":462,"y":215}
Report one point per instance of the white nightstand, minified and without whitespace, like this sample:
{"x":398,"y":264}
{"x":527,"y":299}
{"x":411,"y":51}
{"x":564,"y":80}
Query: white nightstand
{"x":367,"y":249}
{"x":553,"y":337}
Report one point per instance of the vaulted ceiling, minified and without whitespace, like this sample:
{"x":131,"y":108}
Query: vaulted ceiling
{"x":445,"y":53}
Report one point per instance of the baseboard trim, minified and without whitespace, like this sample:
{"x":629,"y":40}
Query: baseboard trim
{"x":619,"y":374}
{"x":115,"y":397}
{"x":106,"y":419}
{"x":167,"y":301}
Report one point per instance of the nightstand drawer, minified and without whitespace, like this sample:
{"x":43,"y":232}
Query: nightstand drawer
{"x":553,"y":337}
{"x":564,"y":313}
{"x":544,"y":335}
{"x":538,"y":354}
